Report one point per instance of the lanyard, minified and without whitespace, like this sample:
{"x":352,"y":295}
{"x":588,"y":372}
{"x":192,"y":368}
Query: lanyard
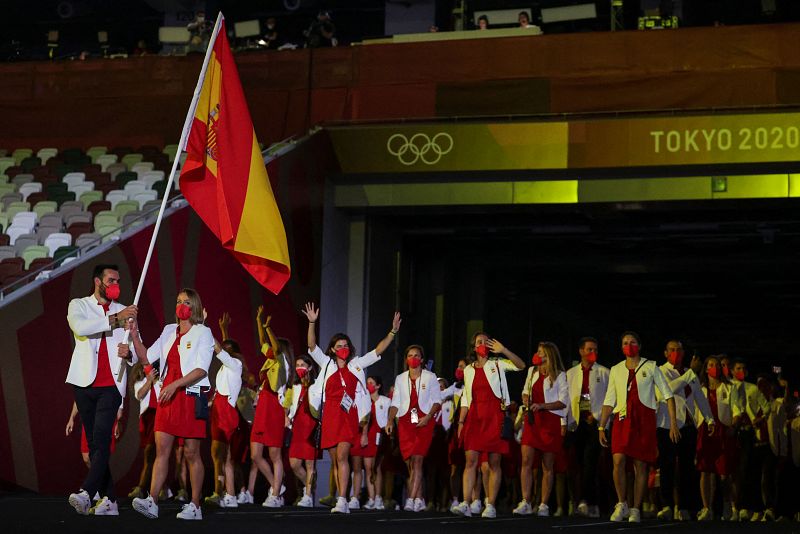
{"x":341,"y":378}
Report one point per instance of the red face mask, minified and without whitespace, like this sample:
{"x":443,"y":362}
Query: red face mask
{"x":482,"y":350}
{"x":302,"y":372}
{"x":183,"y":311}
{"x":413,"y":362}
{"x":536,"y":360}
{"x":459,"y":374}
{"x":675,"y":358}
{"x":739,"y":375}
{"x":713,"y":372}
{"x":372,"y":388}
{"x":591,"y":357}
{"x":342,"y":353}
{"x":112,"y":292}
{"x":630,"y":351}
{"x":726,"y":372}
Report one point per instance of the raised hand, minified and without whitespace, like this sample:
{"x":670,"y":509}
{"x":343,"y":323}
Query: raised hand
{"x":225,"y":321}
{"x":312,"y":312}
{"x":495,"y":346}
{"x":396,"y":322}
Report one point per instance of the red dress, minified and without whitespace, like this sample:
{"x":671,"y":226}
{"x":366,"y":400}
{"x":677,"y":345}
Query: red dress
{"x":414,"y":441}
{"x":224,"y":419}
{"x":545,"y":432}
{"x":269,"y":420}
{"x":371,"y":450}
{"x":147,"y":420}
{"x":635,"y":435}
{"x":484,"y":419}
{"x":713,"y":454}
{"x":176,"y":416}
{"x":339,"y":426}
{"x":302,"y":446}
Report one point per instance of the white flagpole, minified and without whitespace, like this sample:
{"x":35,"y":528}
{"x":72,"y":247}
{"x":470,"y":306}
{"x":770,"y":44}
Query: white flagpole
{"x":187,"y":126}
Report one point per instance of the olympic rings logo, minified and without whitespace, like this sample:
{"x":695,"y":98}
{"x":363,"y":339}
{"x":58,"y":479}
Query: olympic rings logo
{"x":420,"y":147}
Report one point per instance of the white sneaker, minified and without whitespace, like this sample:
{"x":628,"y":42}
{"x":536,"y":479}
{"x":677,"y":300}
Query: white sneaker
{"x":583,"y":509}
{"x":705,"y":515}
{"x":341,"y":506}
{"x":755,"y":517}
{"x":559,"y":512}
{"x":104,"y":507}
{"x":379,"y":503}
{"x":461,"y":508}
{"x":769,"y":515}
{"x":744,"y":514}
{"x":272,"y":502}
{"x":409,"y":506}
{"x":635,"y":516}
{"x":543,"y":510}
{"x":683,"y":515}
{"x":80,"y":501}
{"x":190,"y":512}
{"x":228,"y":501}
{"x":523,"y":508}
{"x":419,"y":505}
{"x":306,"y":501}
{"x":490,"y":512}
{"x":476,"y":507}
{"x":96,"y":496}
{"x":244,"y":497}
{"x":594,"y":511}
{"x":147,"y":507}
{"x":370,"y":504}
{"x":665,"y":514}
{"x":621,"y":512}
{"x":354,"y":504}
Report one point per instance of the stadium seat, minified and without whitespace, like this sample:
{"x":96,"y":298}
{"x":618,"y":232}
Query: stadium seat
{"x":62,"y":198}
{"x":9,"y":198}
{"x":105,"y":160}
{"x":132,"y":219}
{"x":144,"y":197}
{"x":34,"y":199}
{"x":7,"y":252}
{"x":106,"y":218}
{"x":78,"y":217}
{"x":63,"y":169}
{"x":14,"y":282}
{"x":24,"y":241}
{"x":142,"y":167}
{"x":43,"y":232}
{"x":45,"y":207}
{"x":4,"y":240}
{"x":81,"y":188}
{"x":88,"y":197}
{"x":15,"y":232}
{"x":115,"y":168}
{"x":123,"y":178}
{"x":135,"y":186}
{"x":12,"y":208}
{"x":151,"y":206}
{"x":65,"y":252}
{"x":108,"y":232}
{"x":95,"y":152}
{"x":159,"y":188}
{"x":72,"y":155}
{"x":20,"y":154}
{"x":71,"y":206}
{"x":22,"y":178}
{"x":125,"y":206}
{"x":33,"y":252}
{"x":77,"y":229}
{"x":91,"y":170}
{"x":5,"y":163}
{"x":116,"y":196}
{"x":121,"y":150}
{"x":56,"y":240}
{"x":4,"y":178}
{"x":13,"y":171}
{"x":46,"y":264}
{"x":151,"y":177}
{"x":170,"y":151}
{"x":74,"y":177}
{"x":101,"y":178}
{"x":30,"y":162}
{"x":52,"y":220}
{"x":27,"y":189}
{"x":7,"y":188}
{"x":130,"y":159}
{"x":46,"y":153}
{"x":87,"y":240}
{"x":3,"y":222}
{"x":56,"y":188}
{"x":40,"y":172}
{"x":25,"y":218}
{"x":10,"y":268}
{"x":99,"y":205}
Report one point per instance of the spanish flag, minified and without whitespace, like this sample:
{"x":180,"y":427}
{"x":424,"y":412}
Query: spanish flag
{"x":224,"y":177}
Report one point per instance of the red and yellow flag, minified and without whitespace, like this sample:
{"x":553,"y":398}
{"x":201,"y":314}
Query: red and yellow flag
{"x":224,"y":177}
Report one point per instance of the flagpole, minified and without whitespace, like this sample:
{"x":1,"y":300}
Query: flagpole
{"x":187,"y":126}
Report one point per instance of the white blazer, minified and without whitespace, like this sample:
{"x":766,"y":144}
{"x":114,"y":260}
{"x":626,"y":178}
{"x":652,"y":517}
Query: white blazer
{"x":196,"y":350}
{"x":557,"y":390}
{"x":794,"y":436}
{"x":297,"y":391}
{"x":382,"y":405}
{"x":445,"y":415}
{"x":727,"y":408}
{"x":598,"y":385}
{"x":648,"y":378}
{"x":428,"y":392}
{"x":497,"y":380}
{"x":684,"y":405}
{"x":89,"y":323}
{"x":155,"y":389}
{"x":328,"y":367}
{"x":750,"y":399}
{"x":229,"y":377}
{"x":776,"y":425}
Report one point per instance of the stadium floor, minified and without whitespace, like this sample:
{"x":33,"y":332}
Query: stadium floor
{"x":24,"y":514}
